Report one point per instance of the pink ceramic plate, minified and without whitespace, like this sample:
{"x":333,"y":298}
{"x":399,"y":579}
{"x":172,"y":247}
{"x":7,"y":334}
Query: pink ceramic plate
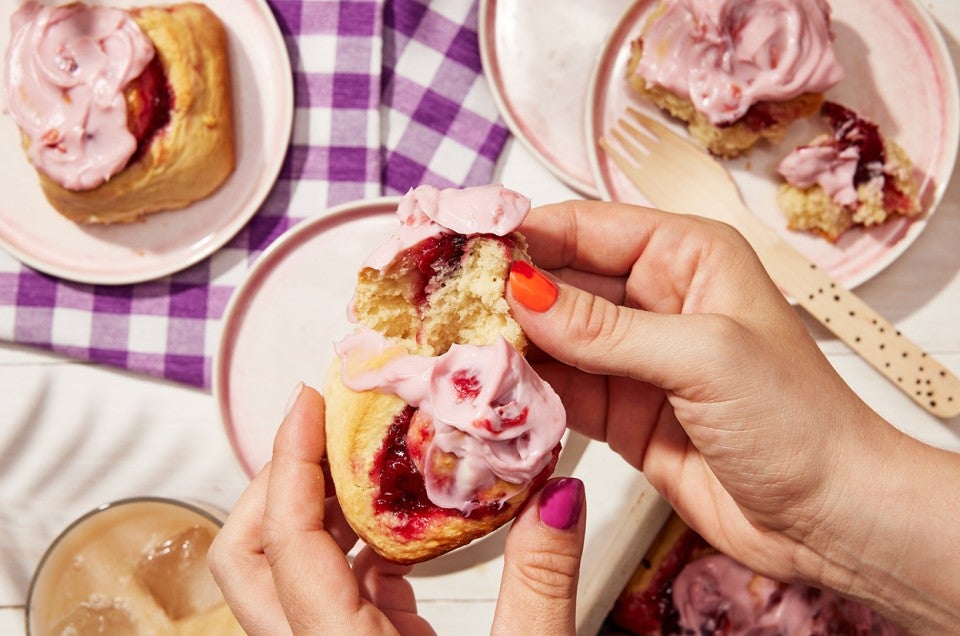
{"x":281,"y":323}
{"x":537,"y":57}
{"x":898,"y":73}
{"x":34,"y":233}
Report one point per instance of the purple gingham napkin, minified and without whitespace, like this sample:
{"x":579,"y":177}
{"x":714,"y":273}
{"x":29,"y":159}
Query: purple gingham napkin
{"x":388,"y":94}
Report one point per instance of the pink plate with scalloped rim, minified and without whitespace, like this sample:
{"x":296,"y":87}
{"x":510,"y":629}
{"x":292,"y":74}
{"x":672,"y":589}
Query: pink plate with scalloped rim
{"x":898,"y":73}
{"x":35,"y":234}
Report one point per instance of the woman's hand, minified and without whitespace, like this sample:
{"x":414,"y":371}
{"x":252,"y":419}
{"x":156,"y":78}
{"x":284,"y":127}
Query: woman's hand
{"x":280,"y":558}
{"x":671,"y":343}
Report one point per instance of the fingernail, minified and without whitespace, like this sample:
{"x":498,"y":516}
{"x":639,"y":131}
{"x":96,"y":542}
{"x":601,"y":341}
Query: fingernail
{"x":530,"y":287}
{"x":560,"y":503}
{"x":292,"y":399}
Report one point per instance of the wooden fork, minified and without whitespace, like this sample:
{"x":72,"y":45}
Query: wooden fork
{"x":680,"y":177}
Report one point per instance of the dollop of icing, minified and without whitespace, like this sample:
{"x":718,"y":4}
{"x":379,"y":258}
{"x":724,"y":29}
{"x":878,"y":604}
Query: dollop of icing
{"x":716,"y":589}
{"x":426,"y":211}
{"x":726,"y":55}
{"x":488,"y":409}
{"x":66,"y":71}
{"x":827,"y":165}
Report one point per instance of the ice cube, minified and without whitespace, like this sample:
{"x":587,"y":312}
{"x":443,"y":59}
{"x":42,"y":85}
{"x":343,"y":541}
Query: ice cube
{"x":94,"y":618}
{"x":176,"y":575}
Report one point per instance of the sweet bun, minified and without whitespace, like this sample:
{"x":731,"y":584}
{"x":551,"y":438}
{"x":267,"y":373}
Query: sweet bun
{"x":179,"y":110}
{"x":432,"y":300}
{"x":684,"y":586}
{"x":736,"y":71}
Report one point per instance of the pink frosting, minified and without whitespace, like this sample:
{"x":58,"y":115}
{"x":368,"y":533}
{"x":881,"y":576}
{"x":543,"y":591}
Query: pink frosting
{"x":716,"y":586}
{"x":485,"y":404}
{"x":825,"y":165}
{"x":66,"y":70}
{"x":726,"y":55}
{"x":426,"y":211}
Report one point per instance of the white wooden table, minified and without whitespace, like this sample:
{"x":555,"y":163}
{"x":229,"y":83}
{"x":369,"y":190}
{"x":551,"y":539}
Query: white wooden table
{"x":75,"y":435}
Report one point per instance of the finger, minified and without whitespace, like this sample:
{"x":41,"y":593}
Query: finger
{"x":567,"y":235}
{"x":382,"y":582}
{"x":613,"y":288}
{"x":335,"y":523}
{"x":672,"y":263}
{"x":617,"y":410}
{"x":309,"y":569}
{"x":597,"y":336}
{"x":538,"y":592}
{"x":240,"y":568}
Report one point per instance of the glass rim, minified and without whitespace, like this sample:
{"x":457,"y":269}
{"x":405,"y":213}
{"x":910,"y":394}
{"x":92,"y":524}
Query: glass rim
{"x":197,"y":508}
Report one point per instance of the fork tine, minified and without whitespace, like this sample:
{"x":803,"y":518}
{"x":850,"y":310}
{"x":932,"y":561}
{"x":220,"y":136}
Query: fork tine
{"x":631,"y":144}
{"x":654,"y":128}
{"x":680,"y":149}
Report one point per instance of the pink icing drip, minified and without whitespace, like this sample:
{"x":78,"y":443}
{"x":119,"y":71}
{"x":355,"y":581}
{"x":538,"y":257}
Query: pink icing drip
{"x":66,"y":70}
{"x":486,"y":405}
{"x":825,"y":165}
{"x":726,"y":55}
{"x":425,"y":212}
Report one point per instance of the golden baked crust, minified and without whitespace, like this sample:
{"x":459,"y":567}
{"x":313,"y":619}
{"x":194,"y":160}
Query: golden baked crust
{"x":766,"y":120}
{"x":193,"y":154}
{"x":468,"y":307}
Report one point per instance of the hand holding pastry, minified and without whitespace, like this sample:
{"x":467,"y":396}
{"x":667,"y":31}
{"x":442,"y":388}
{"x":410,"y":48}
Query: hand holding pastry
{"x":280,"y":558}
{"x":669,"y":341}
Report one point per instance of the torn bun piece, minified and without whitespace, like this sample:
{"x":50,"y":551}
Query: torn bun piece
{"x":438,"y":430}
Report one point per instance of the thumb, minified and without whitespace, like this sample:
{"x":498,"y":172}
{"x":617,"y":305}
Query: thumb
{"x":597,"y":336}
{"x":538,"y":593}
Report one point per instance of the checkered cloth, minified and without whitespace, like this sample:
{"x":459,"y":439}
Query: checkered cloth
{"x":388,"y":94}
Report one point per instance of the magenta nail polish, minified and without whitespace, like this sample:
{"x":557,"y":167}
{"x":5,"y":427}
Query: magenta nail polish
{"x":560,"y":503}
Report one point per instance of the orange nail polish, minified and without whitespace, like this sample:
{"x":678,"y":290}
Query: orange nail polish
{"x":531,"y":288}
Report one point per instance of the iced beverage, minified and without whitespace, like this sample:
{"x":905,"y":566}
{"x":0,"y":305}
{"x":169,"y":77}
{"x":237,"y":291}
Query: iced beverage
{"x":136,"y":567}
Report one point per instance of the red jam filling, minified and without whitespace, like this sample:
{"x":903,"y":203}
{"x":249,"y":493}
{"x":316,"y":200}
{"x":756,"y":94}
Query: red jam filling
{"x":758,"y":117}
{"x":439,"y":254}
{"x":402,"y":489}
{"x":849,"y":130}
{"x":652,"y":611}
{"x":154,"y":103}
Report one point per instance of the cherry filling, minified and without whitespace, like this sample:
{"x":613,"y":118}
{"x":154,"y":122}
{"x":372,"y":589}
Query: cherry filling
{"x":439,"y":254}
{"x":150,"y":102}
{"x":653,"y":611}
{"x":758,"y":117}
{"x":402,"y":489}
{"x":850,"y":130}
{"x":401,"y":485}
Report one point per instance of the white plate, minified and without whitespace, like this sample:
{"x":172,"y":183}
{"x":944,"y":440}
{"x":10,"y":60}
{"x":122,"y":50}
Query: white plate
{"x":898,"y":74}
{"x":37,"y":235}
{"x":281,"y":323}
{"x":537,"y":57}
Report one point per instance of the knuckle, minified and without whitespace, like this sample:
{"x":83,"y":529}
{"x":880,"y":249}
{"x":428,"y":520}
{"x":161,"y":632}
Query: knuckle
{"x":549,"y":575}
{"x":271,"y":541}
{"x":215,"y":556}
{"x":602,"y":324}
